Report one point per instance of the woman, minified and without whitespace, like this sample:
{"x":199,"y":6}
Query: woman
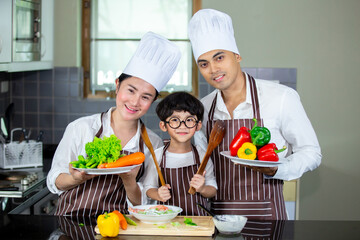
{"x":148,"y":71}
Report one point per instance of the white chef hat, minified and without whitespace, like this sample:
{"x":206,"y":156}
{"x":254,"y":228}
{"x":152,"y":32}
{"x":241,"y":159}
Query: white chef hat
{"x":155,"y":60}
{"x":210,"y":29}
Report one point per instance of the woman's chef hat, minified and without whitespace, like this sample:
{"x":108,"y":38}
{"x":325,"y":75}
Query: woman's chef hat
{"x":155,"y":60}
{"x":210,"y":29}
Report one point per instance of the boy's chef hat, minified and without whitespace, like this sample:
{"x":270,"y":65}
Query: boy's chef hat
{"x":210,"y":29}
{"x":155,"y":60}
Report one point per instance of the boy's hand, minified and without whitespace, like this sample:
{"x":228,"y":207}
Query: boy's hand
{"x":164,"y":193}
{"x":198,"y":182}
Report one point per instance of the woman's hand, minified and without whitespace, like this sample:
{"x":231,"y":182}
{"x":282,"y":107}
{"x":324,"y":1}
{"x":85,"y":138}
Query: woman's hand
{"x":79,"y":176}
{"x":198,"y":182}
{"x":164,"y":193}
{"x":67,"y":181}
{"x":130,"y":177}
{"x":131,"y":187}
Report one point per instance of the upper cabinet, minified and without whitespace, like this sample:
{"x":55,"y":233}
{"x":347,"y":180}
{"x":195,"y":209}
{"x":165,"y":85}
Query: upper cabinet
{"x":47,"y":28}
{"x":29,"y":34}
{"x":5,"y":32}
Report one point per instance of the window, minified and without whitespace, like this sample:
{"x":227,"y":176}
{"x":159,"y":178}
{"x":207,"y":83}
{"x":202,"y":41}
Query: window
{"x":112,"y":30}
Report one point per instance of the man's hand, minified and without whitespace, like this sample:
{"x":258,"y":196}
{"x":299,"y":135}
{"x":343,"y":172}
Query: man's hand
{"x":269,"y":171}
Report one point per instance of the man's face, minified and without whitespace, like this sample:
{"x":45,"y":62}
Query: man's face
{"x":220,"y":68}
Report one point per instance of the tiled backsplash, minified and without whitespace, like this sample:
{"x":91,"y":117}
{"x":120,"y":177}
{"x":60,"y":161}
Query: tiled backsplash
{"x":48,"y":100}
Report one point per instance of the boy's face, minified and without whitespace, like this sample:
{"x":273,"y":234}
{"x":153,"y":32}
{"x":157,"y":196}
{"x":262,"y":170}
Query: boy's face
{"x":182,"y":133}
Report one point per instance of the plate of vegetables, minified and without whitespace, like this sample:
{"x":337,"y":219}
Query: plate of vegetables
{"x":255,"y":162}
{"x":253,"y":148}
{"x":105,"y":171}
{"x":155,"y":214}
{"x":104,"y":157}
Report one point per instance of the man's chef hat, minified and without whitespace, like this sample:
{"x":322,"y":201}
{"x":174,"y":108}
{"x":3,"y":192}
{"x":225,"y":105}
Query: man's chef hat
{"x":155,"y":60}
{"x":210,"y":29}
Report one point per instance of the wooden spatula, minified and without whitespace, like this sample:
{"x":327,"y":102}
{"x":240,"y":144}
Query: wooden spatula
{"x":146,"y":139}
{"x":216,"y":136}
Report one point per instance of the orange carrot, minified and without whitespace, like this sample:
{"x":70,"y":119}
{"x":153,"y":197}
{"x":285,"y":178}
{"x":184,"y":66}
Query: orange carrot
{"x":103,"y":165}
{"x":128,"y":160}
{"x":122,"y":220}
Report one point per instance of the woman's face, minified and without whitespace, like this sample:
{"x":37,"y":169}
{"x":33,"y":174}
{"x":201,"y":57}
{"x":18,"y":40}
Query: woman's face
{"x":133,"y":97}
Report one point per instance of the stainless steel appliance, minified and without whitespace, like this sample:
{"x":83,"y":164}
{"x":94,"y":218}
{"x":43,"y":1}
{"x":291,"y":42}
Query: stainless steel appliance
{"x":24,"y":191}
{"x":26,"y":30}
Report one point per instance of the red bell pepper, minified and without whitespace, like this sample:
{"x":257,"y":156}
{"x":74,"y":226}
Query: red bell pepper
{"x":269,"y":153}
{"x":240,"y":138}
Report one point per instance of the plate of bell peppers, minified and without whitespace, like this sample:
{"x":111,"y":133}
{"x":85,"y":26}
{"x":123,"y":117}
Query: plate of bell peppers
{"x":252,"y":147}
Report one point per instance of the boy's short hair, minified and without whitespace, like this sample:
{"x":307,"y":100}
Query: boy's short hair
{"x":180,"y":101}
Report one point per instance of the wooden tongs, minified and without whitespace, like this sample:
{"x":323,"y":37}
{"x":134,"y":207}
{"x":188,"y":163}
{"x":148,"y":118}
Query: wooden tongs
{"x":146,"y":139}
{"x":216,"y":136}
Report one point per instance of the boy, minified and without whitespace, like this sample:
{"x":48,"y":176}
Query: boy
{"x":180,"y":115}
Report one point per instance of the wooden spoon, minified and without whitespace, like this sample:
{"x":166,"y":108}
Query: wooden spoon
{"x":216,"y":136}
{"x":146,"y":139}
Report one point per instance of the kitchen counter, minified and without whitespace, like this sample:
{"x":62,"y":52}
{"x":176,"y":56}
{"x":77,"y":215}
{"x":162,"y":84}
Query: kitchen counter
{"x":53,"y":227}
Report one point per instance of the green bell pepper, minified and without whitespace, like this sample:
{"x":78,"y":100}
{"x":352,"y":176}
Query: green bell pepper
{"x":260,"y":136}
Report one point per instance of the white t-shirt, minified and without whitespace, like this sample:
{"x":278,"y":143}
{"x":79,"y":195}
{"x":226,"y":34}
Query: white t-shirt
{"x":177,"y":160}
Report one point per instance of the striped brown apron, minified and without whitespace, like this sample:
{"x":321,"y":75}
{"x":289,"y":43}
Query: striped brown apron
{"x":241,"y":190}
{"x":179,"y":180}
{"x":97,"y":195}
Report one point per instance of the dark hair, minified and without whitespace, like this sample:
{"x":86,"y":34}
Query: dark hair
{"x":180,"y":101}
{"x":125,"y":76}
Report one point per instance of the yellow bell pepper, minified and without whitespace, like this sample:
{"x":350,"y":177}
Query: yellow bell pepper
{"x":247,"y":151}
{"x":109,"y":224}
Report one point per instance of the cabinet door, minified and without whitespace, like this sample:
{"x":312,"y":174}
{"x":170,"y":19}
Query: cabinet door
{"x":5,"y":30}
{"x":47,"y":30}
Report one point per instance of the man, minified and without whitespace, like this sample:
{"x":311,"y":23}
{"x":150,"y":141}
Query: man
{"x":255,"y":192}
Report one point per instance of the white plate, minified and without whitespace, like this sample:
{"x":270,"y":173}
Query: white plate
{"x":104,"y":171}
{"x":255,"y":163}
{"x":154,"y":218}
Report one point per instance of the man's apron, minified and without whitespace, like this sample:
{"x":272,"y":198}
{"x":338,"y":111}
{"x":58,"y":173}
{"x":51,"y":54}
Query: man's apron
{"x":103,"y":193}
{"x":241,"y":190}
{"x":179,"y":180}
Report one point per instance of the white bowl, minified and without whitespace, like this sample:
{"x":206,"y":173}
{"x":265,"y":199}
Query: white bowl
{"x":229,"y":224}
{"x":153,"y":218}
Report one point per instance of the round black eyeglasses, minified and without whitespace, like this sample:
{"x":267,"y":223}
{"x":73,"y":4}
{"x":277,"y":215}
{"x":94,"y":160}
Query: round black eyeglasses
{"x":175,"y":122}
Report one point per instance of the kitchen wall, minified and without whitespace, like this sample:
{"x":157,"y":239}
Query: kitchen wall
{"x":49,"y":100}
{"x":320,"y":38}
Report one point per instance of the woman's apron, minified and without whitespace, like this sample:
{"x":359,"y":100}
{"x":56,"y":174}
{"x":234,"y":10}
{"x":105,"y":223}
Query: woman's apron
{"x":76,"y":228}
{"x":179,"y":180}
{"x":241,"y":190}
{"x":103,"y":193}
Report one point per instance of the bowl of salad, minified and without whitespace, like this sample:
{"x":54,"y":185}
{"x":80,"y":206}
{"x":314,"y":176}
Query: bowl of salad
{"x":155,"y":214}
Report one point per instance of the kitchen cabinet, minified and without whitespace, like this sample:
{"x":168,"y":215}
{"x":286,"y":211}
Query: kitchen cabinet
{"x":47,"y":28}
{"x":46,"y":38}
{"x":290,"y":191}
{"x":5,"y":32}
